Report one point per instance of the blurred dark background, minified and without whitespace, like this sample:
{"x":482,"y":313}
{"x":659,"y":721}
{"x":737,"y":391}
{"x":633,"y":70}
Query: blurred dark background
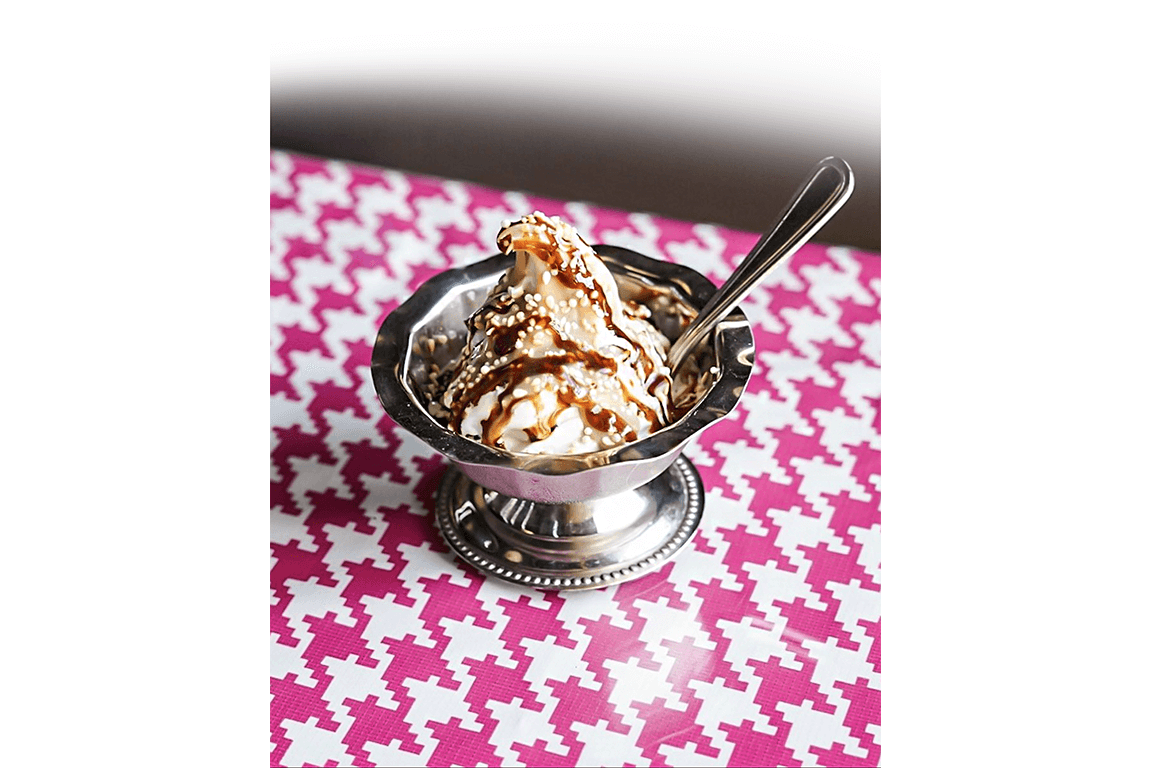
{"x":639,"y":157}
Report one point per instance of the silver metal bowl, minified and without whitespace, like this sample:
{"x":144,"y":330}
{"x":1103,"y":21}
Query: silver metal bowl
{"x":562,"y":522}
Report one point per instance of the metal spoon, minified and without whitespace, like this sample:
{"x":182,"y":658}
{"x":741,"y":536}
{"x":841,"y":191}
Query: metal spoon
{"x":811,"y":207}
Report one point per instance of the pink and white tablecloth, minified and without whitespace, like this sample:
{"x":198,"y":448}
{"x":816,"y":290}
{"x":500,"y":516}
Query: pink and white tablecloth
{"x":758,"y":645}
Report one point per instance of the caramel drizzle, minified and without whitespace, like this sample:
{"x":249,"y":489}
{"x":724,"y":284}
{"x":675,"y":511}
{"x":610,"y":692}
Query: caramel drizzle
{"x":575,"y":276}
{"x":526,"y":367}
{"x":605,"y":420}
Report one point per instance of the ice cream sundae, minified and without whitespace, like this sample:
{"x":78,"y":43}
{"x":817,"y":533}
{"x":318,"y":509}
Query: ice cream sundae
{"x":555,"y":361}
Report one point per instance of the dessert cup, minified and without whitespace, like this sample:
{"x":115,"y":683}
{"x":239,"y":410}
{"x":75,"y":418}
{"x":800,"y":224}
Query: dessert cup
{"x":560,"y":521}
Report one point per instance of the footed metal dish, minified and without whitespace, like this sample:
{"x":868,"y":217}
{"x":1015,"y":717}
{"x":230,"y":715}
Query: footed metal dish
{"x":573,"y":521}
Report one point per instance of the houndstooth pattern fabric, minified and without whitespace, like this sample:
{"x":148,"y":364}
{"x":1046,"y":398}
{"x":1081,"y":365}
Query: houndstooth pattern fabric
{"x":758,"y":645}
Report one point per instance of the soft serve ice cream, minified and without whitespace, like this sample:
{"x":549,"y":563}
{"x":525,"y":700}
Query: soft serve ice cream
{"x":555,"y":362}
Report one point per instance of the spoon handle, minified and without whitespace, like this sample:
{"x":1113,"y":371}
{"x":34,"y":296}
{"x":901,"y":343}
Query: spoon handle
{"x":811,"y":207}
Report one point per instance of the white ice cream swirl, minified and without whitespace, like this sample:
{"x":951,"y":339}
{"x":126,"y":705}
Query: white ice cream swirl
{"x":555,"y":361}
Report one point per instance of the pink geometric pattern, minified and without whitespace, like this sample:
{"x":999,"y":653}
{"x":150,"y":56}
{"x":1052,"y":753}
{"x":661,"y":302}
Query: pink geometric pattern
{"x":758,"y":645}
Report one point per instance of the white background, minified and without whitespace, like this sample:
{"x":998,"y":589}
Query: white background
{"x":1015,"y":331}
{"x":725,"y":67}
